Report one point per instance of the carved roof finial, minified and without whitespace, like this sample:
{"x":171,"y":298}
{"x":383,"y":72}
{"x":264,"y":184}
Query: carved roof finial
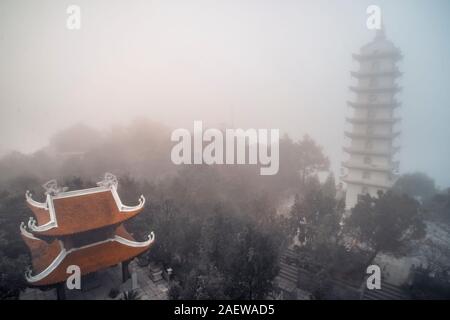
{"x":109,"y":180}
{"x":51,"y":188}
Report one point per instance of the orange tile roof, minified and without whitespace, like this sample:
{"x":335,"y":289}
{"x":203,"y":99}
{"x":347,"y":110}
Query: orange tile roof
{"x":51,"y":260}
{"x":42,"y":253}
{"x":42,"y":214}
{"x":74,"y":213}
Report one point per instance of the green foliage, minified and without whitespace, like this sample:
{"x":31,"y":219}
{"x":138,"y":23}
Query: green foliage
{"x":425,"y":286}
{"x":298,"y":161}
{"x":232,"y":256}
{"x":440,"y":206}
{"x":216,"y":226}
{"x":416,"y":185}
{"x":310,"y":158}
{"x":13,"y":253}
{"x":317,"y":214}
{"x":386,"y":223}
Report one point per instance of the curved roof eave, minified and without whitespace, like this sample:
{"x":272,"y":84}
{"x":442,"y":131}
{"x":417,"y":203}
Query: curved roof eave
{"x":34,"y":203}
{"x":34,"y":279}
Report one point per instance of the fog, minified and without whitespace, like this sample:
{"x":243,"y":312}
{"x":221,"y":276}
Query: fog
{"x":248,"y":64}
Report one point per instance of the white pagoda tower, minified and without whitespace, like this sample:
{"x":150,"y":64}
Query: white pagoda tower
{"x":370,"y":166}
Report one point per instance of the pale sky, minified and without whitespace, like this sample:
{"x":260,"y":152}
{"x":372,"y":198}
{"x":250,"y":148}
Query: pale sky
{"x":259,"y":64}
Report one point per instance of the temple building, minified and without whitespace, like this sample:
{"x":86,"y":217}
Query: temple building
{"x":81,"y":228}
{"x":370,"y":166}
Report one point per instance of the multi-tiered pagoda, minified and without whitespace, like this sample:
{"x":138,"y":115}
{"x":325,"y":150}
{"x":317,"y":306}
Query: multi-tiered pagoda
{"x":82,"y":228}
{"x":371,"y":166}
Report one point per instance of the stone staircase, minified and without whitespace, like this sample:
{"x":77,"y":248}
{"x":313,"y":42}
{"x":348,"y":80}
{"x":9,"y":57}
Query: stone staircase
{"x":288,"y":269}
{"x":288,"y":272}
{"x":287,"y":278}
{"x":293,"y":278}
{"x":291,"y":275}
{"x":387,"y":292}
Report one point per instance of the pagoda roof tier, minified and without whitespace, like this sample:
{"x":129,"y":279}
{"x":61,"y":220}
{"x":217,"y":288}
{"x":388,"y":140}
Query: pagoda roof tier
{"x":40,"y":210}
{"x":387,"y":73}
{"x":371,"y":152}
{"x":389,"y":89}
{"x":394,"y":55}
{"x":66,"y":213}
{"x":51,"y":260}
{"x":368,"y":167}
{"x":372,"y":135}
{"x":363,"y":105}
{"x":366,"y":183}
{"x":372,"y":120}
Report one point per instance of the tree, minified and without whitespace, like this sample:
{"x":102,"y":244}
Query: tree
{"x":204,"y":281}
{"x":310,"y":158}
{"x":13,"y":252}
{"x":235,"y":256}
{"x":440,"y":205}
{"x":298,"y":161}
{"x":386,"y":223}
{"x":317,"y":215}
{"x":329,"y":187}
{"x":254,"y":265}
{"x":416,"y":185}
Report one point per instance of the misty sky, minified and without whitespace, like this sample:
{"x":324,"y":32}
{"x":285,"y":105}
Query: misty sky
{"x":257,"y":64}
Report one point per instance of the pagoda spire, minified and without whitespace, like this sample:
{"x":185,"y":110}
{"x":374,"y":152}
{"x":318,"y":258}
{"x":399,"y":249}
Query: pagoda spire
{"x":381,"y":33}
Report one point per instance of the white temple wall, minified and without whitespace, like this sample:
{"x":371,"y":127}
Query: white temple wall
{"x":369,"y":160}
{"x":376,"y":177}
{"x":375,"y":145}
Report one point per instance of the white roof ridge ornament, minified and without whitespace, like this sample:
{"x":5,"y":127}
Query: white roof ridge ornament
{"x":109,"y":181}
{"x":32,"y":225}
{"x":51,"y":188}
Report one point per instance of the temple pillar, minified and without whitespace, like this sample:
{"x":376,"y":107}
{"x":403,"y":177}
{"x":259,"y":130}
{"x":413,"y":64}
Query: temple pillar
{"x":125,"y":270}
{"x":61,"y":291}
